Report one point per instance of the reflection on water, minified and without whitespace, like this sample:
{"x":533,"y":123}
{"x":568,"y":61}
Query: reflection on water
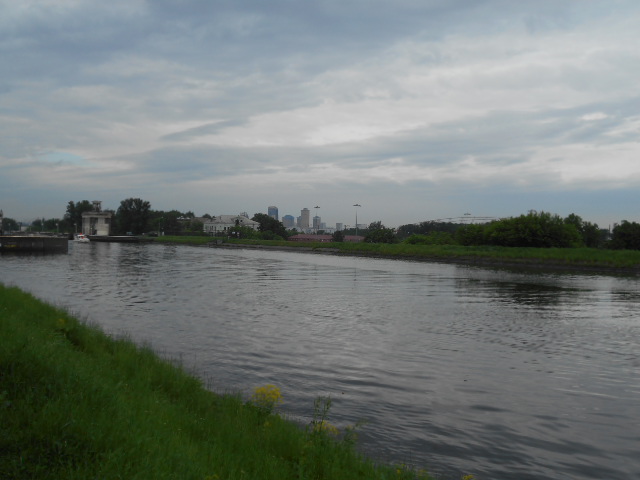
{"x":463,"y":370}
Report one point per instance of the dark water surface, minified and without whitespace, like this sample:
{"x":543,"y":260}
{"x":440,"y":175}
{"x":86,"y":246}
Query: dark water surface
{"x":500,"y":374}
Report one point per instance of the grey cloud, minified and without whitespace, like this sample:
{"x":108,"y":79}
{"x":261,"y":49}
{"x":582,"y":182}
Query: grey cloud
{"x":203,"y":130}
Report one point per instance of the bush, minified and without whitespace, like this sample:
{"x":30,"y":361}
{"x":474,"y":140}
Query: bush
{"x":433,"y":238}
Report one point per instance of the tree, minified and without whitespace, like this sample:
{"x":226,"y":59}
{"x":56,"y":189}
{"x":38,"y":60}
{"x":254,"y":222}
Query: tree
{"x":378,"y":233}
{"x":169,"y":222}
{"x":133,"y":216}
{"x":337,"y":236}
{"x":196,"y":226}
{"x":270,"y":224}
{"x":425,"y":228}
{"x":541,"y":230}
{"x":590,"y":232}
{"x":626,"y":236}
{"x":72,"y":220}
{"x":241,"y":232}
{"x":473,"y":234}
{"x":433,"y":238}
{"x":9,"y":225}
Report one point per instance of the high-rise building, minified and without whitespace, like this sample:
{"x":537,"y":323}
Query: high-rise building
{"x":316,"y":222}
{"x":273,"y":212}
{"x":339,"y":226}
{"x":288,"y":221}
{"x":304,"y":218}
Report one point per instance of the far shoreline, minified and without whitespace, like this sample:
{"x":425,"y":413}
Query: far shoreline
{"x":435,"y":255}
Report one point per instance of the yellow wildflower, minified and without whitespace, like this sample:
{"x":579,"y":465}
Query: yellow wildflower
{"x":267,"y":397}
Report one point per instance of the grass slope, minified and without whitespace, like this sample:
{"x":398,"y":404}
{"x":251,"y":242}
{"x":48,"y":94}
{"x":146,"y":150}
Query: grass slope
{"x":77,"y":404}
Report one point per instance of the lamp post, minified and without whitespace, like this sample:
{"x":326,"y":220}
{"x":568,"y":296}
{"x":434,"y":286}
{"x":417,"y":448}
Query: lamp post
{"x":357,"y":205}
{"x":317,"y":219}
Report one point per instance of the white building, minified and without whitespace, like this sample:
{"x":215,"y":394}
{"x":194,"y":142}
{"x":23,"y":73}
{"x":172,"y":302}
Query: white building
{"x":97,"y":222}
{"x":223,"y":223}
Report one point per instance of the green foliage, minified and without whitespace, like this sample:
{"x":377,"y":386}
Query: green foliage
{"x":9,"y":225}
{"x":239,"y":232}
{"x":378,"y":233}
{"x":76,"y":404}
{"x":425,"y":228}
{"x":590,"y":233}
{"x":539,"y":230}
{"x":73,"y":216}
{"x":270,"y":224}
{"x":338,"y":236}
{"x":473,"y":234}
{"x":133,"y":216}
{"x":433,"y":238}
{"x":626,"y":235}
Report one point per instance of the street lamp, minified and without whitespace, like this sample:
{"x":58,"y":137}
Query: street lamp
{"x":317,"y":219}
{"x":357,"y":205}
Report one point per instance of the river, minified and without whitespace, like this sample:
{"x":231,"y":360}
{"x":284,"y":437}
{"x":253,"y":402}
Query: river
{"x":498,"y":373}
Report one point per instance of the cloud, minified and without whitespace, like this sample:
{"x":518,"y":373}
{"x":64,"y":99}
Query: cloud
{"x":398,"y":105}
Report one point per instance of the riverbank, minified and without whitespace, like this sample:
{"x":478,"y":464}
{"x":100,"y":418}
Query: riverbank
{"x":76,"y":404}
{"x":569,"y":259}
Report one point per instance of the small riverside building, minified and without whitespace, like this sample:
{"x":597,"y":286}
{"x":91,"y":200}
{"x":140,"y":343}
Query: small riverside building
{"x":224,"y":223}
{"x":97,"y":222}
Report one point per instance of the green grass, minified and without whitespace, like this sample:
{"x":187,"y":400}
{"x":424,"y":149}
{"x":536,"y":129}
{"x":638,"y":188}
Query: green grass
{"x":552,"y":257}
{"x":77,"y":404}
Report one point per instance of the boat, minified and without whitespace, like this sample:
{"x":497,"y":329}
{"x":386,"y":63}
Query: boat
{"x":81,"y":237}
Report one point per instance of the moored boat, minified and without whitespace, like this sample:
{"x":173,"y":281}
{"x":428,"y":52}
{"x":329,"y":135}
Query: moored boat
{"x":81,"y":237}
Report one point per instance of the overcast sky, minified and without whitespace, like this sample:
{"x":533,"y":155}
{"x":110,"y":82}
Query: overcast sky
{"x":415,"y":109}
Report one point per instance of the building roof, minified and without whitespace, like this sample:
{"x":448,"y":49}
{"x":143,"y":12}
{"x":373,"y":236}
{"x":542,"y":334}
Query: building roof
{"x":231,"y":220}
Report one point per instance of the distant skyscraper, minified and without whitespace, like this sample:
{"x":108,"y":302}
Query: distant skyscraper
{"x":304,"y":218}
{"x":288,"y":221}
{"x":316,"y":222}
{"x":339,"y":226}
{"x":273,"y":212}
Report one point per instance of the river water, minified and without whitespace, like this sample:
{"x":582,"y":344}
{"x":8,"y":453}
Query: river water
{"x":497,"y":373}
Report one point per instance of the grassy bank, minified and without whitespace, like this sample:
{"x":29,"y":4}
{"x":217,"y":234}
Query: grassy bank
{"x":77,"y":404}
{"x":571,"y":258}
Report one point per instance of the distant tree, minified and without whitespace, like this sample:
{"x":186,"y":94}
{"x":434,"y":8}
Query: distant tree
{"x":171,"y":223}
{"x":473,"y":234}
{"x":425,"y":228}
{"x":590,"y":232}
{"x":52,"y":225}
{"x":625,"y":236}
{"x":9,"y":225}
{"x":378,"y":233}
{"x":337,"y":236}
{"x":270,"y":224}
{"x":242,"y":232}
{"x":542,"y":230}
{"x":196,"y":226}
{"x":72,"y":220}
{"x":37,"y":225}
{"x":133,"y":216}
{"x":433,"y":238}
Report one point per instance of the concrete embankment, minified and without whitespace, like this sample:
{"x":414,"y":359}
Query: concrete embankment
{"x":40,"y":244}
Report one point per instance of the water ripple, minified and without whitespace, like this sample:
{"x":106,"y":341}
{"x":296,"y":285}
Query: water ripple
{"x":460,"y":369}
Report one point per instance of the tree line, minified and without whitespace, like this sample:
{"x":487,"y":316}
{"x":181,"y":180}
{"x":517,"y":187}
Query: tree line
{"x":534,"y":229}
{"x":134,"y":215}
